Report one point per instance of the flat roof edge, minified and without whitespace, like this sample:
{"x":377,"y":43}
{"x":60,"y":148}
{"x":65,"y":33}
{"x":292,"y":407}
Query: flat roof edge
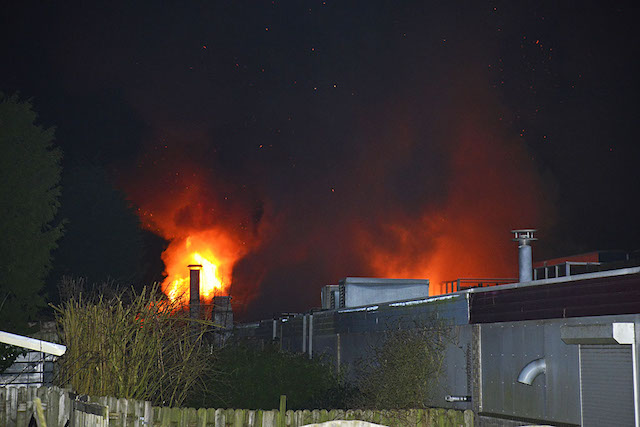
{"x":564,"y":279}
{"x":380,"y":280}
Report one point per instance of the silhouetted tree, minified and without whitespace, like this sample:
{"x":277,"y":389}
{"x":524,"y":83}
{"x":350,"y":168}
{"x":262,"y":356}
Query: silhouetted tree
{"x":103,"y":237}
{"x":29,"y":199}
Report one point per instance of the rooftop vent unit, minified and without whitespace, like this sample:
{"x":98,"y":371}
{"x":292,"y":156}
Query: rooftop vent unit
{"x":330,"y":297}
{"x":359,"y":291}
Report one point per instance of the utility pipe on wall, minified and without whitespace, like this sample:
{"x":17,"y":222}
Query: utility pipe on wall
{"x":532,"y":370}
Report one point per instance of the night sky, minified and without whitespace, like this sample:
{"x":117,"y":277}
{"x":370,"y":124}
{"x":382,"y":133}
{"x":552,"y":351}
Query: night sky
{"x":337,"y":138}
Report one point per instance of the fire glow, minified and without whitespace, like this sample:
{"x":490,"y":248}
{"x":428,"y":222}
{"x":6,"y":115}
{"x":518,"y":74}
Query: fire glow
{"x":202,"y":227}
{"x":466,"y":235}
{"x":436,"y":204}
{"x":217,"y":254}
{"x":176,"y":284}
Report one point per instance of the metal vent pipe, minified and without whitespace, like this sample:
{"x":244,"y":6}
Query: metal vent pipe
{"x":532,"y":370}
{"x":525,"y":258}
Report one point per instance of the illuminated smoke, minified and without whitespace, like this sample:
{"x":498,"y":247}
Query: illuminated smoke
{"x":426,"y":187}
{"x":204,"y":219}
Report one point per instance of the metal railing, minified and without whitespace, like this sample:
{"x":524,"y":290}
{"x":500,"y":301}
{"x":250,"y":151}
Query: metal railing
{"x":561,"y":270}
{"x":32,"y":368}
{"x":467,"y":283}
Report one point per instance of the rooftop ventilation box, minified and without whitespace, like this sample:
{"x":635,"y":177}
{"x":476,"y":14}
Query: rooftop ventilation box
{"x":359,"y":291}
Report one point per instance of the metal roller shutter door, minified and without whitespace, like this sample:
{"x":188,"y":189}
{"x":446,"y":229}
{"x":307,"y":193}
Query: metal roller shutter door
{"x":606,"y":383}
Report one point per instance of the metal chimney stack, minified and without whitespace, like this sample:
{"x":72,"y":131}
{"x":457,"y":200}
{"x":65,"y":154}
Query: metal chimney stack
{"x":525,"y":259}
{"x":223,"y":318}
{"x":222,"y":312}
{"x":194,"y":290}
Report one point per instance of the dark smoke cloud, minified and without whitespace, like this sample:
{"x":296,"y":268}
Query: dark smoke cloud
{"x":422,"y":185}
{"x":329,"y":142}
{"x":342,"y":138}
{"x":324,"y":182}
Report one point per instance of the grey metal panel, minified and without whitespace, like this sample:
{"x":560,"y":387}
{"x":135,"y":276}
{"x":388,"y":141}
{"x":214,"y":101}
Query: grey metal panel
{"x":636,"y":357}
{"x":505,"y":349}
{"x":501,"y":365}
{"x":355,"y":346}
{"x":457,"y":371}
{"x":290,"y":333}
{"x":509,"y":346}
{"x":562,"y":399}
{"x":324,"y":322}
{"x":606,"y":381}
{"x":455,"y":377}
{"x":453,"y":309}
{"x":324,"y":345}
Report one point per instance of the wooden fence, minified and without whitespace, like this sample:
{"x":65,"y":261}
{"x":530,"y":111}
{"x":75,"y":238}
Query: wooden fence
{"x":59,"y":406}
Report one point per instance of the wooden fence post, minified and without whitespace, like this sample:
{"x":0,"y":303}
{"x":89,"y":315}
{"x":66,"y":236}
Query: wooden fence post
{"x":283,"y":410}
{"x":42,"y":422}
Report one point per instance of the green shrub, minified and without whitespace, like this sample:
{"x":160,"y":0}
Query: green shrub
{"x":250,"y":378}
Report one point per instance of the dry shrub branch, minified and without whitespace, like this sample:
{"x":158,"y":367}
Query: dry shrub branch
{"x":131,"y":345}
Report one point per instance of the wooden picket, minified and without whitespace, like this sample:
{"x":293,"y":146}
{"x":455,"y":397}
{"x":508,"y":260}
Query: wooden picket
{"x":17,"y":407}
{"x":89,"y":414}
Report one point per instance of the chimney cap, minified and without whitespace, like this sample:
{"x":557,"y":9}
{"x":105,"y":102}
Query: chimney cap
{"x":194,"y":266}
{"x":524,"y":235}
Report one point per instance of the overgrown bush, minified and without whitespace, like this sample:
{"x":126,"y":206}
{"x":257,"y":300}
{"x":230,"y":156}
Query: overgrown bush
{"x":131,"y":345}
{"x":254,"y":379}
{"x":404,"y":369}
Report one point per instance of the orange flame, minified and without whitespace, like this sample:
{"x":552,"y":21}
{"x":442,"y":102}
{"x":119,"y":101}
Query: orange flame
{"x":215,"y":251}
{"x":202,"y":226}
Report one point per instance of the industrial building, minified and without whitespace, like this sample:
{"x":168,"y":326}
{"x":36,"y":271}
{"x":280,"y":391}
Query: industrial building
{"x":556,"y":346}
